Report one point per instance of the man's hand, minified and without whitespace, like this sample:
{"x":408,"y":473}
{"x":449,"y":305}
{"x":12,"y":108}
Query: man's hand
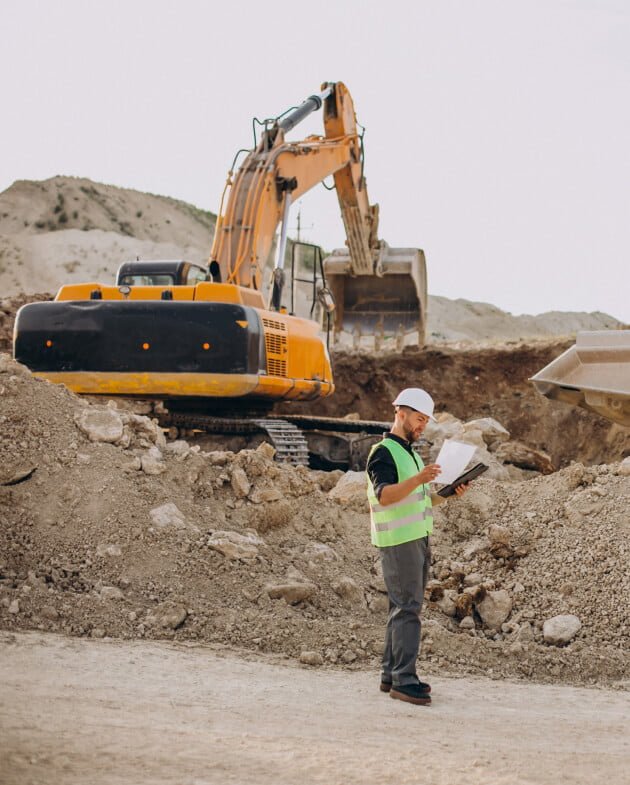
{"x":429,"y":473}
{"x":461,"y":489}
{"x":400,"y":490}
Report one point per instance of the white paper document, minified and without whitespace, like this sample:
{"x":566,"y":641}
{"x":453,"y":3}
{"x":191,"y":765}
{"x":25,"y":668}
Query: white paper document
{"x":453,"y":459}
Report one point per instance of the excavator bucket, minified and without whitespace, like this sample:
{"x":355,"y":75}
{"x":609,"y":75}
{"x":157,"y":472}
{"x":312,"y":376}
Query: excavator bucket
{"x":393,"y":301}
{"x":594,"y":374}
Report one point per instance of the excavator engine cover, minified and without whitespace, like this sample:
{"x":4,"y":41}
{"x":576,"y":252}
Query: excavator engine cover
{"x":391,"y":301}
{"x":594,"y":374}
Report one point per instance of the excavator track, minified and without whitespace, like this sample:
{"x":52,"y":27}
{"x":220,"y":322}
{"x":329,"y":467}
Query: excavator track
{"x":286,"y":432}
{"x":287,"y":439}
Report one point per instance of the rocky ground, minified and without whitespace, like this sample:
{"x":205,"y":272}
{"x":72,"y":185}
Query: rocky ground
{"x":110,"y":530}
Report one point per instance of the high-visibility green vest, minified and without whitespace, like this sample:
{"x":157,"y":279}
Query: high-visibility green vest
{"x":406,"y":520}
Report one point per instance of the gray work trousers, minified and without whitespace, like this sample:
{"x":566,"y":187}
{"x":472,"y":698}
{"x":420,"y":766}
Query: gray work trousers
{"x":406,"y":571}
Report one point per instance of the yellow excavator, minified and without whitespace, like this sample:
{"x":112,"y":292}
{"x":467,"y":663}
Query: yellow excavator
{"x":206,"y":341}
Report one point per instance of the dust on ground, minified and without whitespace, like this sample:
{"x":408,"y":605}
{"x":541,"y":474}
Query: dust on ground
{"x":75,"y":711}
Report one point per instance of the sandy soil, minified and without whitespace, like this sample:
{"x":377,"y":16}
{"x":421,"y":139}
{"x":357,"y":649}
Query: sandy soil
{"x":74,"y":711}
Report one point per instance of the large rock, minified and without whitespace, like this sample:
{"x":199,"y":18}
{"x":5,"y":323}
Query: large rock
{"x":495,"y":608}
{"x":234,"y":545}
{"x":525,"y":457}
{"x":445,"y":426}
{"x":100,"y":425}
{"x":492,"y":432}
{"x":624,"y":468}
{"x":559,"y":630}
{"x":350,"y":490}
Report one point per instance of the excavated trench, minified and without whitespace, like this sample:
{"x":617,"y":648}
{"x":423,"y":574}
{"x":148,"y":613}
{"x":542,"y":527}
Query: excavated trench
{"x":475,"y":382}
{"x":468,"y":382}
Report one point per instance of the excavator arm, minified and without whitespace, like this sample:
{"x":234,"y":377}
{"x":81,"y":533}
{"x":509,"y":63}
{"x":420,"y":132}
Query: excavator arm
{"x":278,"y":173}
{"x":275,"y":175}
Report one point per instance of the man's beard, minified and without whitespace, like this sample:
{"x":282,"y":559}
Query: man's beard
{"x":410,"y":435}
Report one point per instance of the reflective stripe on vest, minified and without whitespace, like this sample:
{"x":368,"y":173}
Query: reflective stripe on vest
{"x":406,"y":520}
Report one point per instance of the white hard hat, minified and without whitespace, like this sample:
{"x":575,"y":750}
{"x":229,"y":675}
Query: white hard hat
{"x":417,"y":399}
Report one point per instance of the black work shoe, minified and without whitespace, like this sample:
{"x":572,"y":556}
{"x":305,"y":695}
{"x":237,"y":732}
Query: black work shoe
{"x":410,"y":693}
{"x":387,"y":685}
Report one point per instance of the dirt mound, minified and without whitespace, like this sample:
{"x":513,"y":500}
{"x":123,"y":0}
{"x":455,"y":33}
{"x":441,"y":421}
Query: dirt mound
{"x":464,"y":320}
{"x":8,"y":310}
{"x":109,"y":530}
{"x":70,"y":229}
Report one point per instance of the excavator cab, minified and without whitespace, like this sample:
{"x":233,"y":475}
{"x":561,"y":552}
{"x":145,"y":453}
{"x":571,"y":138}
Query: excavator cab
{"x":160,"y":272}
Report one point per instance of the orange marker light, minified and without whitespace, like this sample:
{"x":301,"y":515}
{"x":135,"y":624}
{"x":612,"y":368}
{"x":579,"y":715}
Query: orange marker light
{"x":49,"y":343}
{"x":146,"y":346}
{"x":206,"y":346}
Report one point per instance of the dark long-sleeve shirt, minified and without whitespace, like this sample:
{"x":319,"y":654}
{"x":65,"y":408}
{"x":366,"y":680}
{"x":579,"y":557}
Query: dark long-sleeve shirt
{"x":381,"y":467}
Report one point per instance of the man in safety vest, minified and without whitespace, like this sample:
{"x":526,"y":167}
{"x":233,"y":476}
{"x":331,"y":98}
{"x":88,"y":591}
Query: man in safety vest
{"x":401,"y":522}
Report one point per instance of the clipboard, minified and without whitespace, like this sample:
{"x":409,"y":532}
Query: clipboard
{"x":471,"y":474}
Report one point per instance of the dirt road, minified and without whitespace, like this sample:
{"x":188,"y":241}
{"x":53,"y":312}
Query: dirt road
{"x":74,"y":711}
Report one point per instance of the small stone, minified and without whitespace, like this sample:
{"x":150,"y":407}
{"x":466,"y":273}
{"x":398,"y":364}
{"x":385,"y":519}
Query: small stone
{"x":467,"y":623}
{"x":179,"y":448}
{"x":168,"y":615}
{"x":498,"y":534}
{"x":14,"y":607}
{"x":100,"y":425}
{"x":349,"y":590}
{"x":266,"y":450}
{"x":447,"y":603}
{"x":311,"y":658}
{"x":240,"y":483}
{"x":111,"y":593}
{"x":624,"y":468}
{"x":495,"y":608}
{"x":108,"y":550}
{"x":98,"y":632}
{"x":348,"y":656}
{"x":151,"y":463}
{"x":234,"y":545}
{"x":319,"y":552}
{"x":50,"y":613}
{"x":559,"y":630}
{"x":261,"y":495}
{"x":473,"y":579}
{"x":168,"y":516}
{"x":292,"y":592}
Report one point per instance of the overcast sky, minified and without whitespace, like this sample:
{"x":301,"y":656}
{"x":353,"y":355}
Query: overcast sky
{"x":497,"y":138}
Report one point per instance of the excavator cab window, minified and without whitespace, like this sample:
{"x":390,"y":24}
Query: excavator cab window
{"x":196,"y":275}
{"x":309,"y":295}
{"x":147,"y":279}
